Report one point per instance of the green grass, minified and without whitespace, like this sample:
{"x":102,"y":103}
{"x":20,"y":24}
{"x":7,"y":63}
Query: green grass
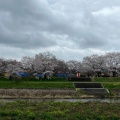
{"x":35,"y":85}
{"x":109,"y":85}
{"x":54,"y":79}
{"x":23,"y":110}
{"x":106,"y":79}
{"x":108,"y":82}
{"x":32,"y":83}
{"x":54,"y":83}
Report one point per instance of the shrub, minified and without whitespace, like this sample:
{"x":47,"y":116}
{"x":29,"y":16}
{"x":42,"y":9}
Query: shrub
{"x":80,"y":79}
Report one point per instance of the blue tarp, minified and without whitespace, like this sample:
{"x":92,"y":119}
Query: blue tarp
{"x":23,"y":74}
{"x":62,"y":75}
{"x":39,"y":75}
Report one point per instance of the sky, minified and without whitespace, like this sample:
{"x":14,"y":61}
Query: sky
{"x":69,"y":29}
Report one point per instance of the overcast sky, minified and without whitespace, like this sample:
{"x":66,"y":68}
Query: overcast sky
{"x":69,"y":29}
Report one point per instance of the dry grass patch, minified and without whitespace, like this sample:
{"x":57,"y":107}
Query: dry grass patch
{"x":39,"y":93}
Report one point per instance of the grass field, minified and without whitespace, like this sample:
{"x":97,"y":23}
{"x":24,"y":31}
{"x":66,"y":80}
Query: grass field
{"x":35,"y":85}
{"x":106,"y":79}
{"x":32,"y":83}
{"x":23,"y":110}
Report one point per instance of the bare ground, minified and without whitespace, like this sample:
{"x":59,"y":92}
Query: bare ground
{"x":48,"y":93}
{"x":41,"y":93}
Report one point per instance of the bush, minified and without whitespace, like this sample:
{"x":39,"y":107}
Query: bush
{"x":80,"y":79}
{"x":88,"y":85}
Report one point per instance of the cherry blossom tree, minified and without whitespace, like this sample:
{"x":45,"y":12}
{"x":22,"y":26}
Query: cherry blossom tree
{"x":113,"y":62}
{"x":2,"y":65}
{"x":94,"y":63}
{"x":28,"y":64}
{"x":44,"y":61}
{"x":112,"y":59}
{"x":61,"y":66}
{"x":47,"y":61}
{"x":75,"y":66}
{"x":11,"y":69}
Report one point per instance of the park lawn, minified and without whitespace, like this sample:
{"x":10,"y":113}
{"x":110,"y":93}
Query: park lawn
{"x":26,"y":110}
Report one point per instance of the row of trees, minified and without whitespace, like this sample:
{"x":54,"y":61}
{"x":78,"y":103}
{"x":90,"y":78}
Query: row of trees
{"x":47,"y":61}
